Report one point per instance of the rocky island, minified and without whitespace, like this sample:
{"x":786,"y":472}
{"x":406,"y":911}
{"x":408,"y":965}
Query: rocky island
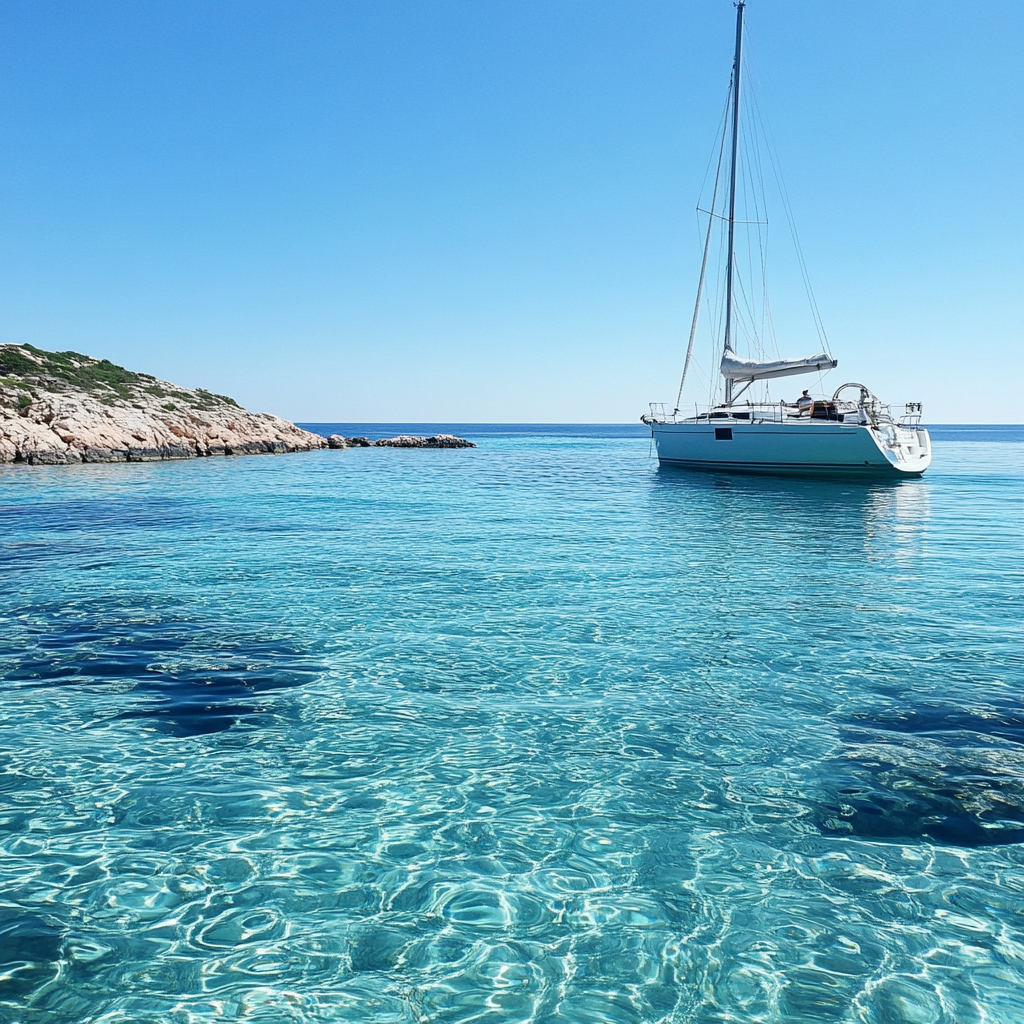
{"x":401,"y":441}
{"x":62,"y":407}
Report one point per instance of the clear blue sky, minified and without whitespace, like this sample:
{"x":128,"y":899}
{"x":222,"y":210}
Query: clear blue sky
{"x":483,"y":210}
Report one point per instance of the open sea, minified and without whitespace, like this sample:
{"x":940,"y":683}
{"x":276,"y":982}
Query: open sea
{"x":535,"y":731}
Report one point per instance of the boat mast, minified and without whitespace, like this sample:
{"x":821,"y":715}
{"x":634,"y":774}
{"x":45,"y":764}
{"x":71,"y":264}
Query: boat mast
{"x":736,"y":66}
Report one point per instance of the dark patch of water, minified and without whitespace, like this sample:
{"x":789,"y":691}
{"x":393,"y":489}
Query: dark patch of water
{"x":885,"y":801}
{"x":193,"y":718}
{"x":30,"y":946}
{"x":190,"y":677}
{"x":932,"y":773}
{"x":211,"y":699}
{"x":956,"y":726}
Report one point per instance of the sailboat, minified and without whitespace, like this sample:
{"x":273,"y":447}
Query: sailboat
{"x":847,"y":433}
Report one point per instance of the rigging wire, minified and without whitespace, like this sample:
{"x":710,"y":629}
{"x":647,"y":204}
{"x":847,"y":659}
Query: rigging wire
{"x":717,"y":313}
{"x":767,"y":323}
{"x":750,"y":198}
{"x":752,"y":314}
{"x":703,"y":264}
{"x":788,"y":209}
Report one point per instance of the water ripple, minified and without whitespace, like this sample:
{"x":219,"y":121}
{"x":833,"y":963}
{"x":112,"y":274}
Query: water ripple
{"x":538,"y":733}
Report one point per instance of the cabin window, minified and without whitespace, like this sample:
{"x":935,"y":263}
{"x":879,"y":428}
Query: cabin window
{"x":723,"y":433}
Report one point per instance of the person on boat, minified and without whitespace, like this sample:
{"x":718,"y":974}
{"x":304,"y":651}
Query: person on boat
{"x":804,"y":402}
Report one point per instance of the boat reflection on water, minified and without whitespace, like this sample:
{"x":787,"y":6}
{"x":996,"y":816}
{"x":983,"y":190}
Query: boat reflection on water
{"x":782,"y":518}
{"x":802,"y":587}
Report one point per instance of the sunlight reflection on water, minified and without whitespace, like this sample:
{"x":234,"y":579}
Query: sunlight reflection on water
{"x":535,"y":731}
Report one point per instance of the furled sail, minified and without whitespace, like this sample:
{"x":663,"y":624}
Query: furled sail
{"x":734,"y":368}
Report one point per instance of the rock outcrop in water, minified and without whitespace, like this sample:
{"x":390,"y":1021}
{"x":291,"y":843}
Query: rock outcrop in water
{"x":62,"y":407}
{"x":401,"y":441}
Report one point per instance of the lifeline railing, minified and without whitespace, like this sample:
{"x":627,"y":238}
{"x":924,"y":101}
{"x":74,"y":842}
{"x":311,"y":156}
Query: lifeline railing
{"x":911,"y":415}
{"x":874,"y":412}
{"x":754,"y":412}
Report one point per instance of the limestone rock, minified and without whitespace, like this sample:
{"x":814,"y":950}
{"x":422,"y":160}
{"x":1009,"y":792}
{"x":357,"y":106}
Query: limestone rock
{"x":62,"y":407}
{"x":411,"y":441}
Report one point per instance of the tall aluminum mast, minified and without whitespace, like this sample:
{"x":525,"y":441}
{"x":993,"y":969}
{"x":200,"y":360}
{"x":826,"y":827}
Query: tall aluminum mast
{"x":737,"y":65}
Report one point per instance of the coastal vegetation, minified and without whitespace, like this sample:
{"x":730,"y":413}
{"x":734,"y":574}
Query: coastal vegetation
{"x":66,"y":407}
{"x":31,"y":368}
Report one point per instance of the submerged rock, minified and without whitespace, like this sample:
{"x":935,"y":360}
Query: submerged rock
{"x":58,"y":408}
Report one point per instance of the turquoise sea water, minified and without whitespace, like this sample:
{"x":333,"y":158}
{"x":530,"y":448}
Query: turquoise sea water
{"x":530,"y":732}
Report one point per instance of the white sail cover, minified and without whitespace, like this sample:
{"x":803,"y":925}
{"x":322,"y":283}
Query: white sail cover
{"x":734,"y":368}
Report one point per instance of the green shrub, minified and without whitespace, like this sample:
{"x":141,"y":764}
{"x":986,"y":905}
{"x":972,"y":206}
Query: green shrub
{"x":99,"y":377}
{"x":12,"y":361}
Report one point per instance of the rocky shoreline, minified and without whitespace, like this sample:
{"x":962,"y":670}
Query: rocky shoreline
{"x":60,"y":408}
{"x":63,"y":407}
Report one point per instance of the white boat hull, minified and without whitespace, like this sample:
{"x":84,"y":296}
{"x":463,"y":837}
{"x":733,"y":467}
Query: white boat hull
{"x":819,"y":447}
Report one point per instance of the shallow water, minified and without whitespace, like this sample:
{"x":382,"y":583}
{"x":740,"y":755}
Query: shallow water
{"x":530,"y":732}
